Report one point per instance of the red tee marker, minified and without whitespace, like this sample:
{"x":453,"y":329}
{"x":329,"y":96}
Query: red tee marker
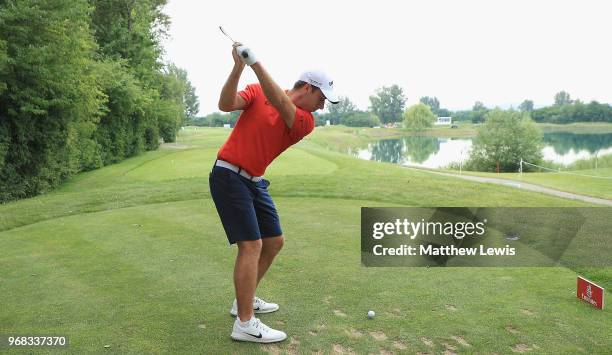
{"x":590,"y":292}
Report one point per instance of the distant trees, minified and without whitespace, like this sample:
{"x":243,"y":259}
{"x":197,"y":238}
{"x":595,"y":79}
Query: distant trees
{"x":343,"y":108}
{"x":215,"y":119}
{"x":351,"y":117}
{"x":434,"y":105}
{"x":432,"y":102}
{"x":388,"y":103}
{"x":419,"y":117}
{"x":478,"y":112}
{"x":189,"y":99}
{"x":360,"y":119}
{"x":346,"y":113}
{"x":478,"y":106}
{"x":526,"y":106}
{"x":566,"y":110}
{"x":562,"y":98}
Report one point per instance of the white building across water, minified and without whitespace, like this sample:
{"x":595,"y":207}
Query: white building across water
{"x":444,"y":121}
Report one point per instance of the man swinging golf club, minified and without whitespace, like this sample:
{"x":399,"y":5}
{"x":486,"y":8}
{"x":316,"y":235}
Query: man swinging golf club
{"x":271,"y":121}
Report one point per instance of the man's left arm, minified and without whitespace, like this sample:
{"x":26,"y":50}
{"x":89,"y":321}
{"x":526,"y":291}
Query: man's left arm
{"x":277,"y":96}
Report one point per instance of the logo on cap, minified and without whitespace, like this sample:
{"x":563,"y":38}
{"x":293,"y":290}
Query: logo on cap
{"x":331,"y":83}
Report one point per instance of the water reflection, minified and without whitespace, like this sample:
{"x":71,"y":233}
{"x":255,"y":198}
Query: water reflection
{"x":430,"y":152}
{"x":564,"y":142}
{"x":566,"y":148}
{"x":388,"y":150}
{"x":438,"y":152}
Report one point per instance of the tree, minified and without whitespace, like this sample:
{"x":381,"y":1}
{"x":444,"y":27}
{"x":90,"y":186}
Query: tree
{"x":5,"y":140}
{"x":170,"y":107}
{"x":419,"y":117}
{"x":526,"y":106}
{"x":82,"y":85}
{"x":127,"y":126}
{"x":339,"y":110}
{"x":478,"y":106}
{"x":444,"y":113}
{"x":598,"y":112}
{"x":432,"y":102}
{"x":458,"y":116}
{"x":478,"y":112}
{"x":505,"y":138}
{"x":320,"y":118}
{"x":49,"y":96}
{"x":192,"y":102}
{"x":189,"y":97}
{"x":3,"y":65}
{"x":388,"y":103}
{"x":562,"y":98}
{"x":131,"y":30}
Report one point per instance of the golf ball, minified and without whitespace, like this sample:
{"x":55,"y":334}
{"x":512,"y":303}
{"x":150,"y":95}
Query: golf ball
{"x":371,"y":314}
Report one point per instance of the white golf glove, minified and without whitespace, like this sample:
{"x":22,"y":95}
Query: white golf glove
{"x":246,"y":54}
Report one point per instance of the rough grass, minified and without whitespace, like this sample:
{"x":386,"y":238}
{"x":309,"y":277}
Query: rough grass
{"x":133,"y":257}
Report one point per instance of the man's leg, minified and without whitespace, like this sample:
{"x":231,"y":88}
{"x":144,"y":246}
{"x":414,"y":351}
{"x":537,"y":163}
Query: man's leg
{"x":245,"y":281}
{"x":271,"y":247}
{"x":245,"y":276}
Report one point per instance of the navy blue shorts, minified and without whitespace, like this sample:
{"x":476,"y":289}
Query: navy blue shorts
{"x":245,"y":207}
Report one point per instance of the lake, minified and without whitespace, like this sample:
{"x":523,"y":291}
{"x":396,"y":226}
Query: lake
{"x":438,"y":152}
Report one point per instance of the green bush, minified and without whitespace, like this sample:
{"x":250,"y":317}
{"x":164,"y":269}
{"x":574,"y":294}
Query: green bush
{"x":49,"y":99}
{"x":503,"y":139}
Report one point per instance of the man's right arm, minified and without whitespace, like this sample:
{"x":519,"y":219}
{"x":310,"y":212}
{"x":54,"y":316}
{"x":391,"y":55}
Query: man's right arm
{"x":229,"y":99}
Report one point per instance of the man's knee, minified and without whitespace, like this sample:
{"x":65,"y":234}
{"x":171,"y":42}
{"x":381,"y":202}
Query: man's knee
{"x":250,"y":247}
{"x":273,"y":244}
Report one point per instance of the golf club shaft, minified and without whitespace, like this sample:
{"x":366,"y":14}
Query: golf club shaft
{"x":225,"y":33}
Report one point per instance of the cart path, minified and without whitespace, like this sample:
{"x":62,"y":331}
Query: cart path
{"x":522,"y":185}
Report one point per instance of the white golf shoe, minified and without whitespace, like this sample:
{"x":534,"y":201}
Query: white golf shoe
{"x":256,"y":332}
{"x":259,"y":306}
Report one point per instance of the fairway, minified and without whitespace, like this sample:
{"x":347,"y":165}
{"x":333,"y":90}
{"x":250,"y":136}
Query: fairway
{"x":132,"y":258}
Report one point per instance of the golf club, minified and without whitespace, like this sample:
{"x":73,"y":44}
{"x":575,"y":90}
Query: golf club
{"x":242,"y":51}
{"x":225,"y":33}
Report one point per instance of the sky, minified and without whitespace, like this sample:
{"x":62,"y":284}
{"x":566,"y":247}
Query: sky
{"x":461,"y":51}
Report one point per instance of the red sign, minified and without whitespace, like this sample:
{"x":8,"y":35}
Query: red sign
{"x":590,"y":292}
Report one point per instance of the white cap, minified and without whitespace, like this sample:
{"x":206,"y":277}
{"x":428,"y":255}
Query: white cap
{"x":323,"y":82}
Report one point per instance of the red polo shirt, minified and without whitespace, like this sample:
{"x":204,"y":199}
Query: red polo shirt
{"x":261,"y":134}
